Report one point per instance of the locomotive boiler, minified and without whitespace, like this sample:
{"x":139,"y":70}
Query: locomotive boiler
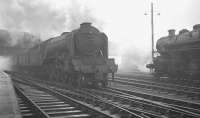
{"x":79,"y":57}
{"x":178,"y":55}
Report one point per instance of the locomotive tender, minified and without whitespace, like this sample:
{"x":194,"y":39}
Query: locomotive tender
{"x":79,"y":57}
{"x":179,"y":55}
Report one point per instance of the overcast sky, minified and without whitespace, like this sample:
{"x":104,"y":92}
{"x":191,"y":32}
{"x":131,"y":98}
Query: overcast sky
{"x":123,"y":21}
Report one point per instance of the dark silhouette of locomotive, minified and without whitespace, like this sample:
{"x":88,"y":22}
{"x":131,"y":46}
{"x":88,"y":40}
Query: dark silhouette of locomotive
{"x":178,"y":55}
{"x":79,"y":57}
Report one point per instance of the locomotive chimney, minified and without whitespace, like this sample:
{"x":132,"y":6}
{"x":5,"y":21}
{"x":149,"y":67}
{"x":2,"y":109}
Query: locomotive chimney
{"x":171,"y":32}
{"x":85,"y":24}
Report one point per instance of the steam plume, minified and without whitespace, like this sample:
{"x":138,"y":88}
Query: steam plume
{"x":42,"y":18}
{"x":5,"y":63}
{"x":46,"y":20}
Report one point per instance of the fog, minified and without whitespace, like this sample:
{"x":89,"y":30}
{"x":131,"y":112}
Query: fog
{"x":5,"y":63}
{"x":124,"y":22}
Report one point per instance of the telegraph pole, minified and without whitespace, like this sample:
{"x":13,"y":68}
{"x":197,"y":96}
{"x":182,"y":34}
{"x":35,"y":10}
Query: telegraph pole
{"x":152,"y":31}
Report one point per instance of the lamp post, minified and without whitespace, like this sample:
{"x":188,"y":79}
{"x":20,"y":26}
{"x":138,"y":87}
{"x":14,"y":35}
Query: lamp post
{"x":152,"y":32}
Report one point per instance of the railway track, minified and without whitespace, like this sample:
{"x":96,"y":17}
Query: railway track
{"x":53,"y":105}
{"x":57,"y":106}
{"x":115,"y":100}
{"x":150,"y":78}
{"x":184,"y":104}
{"x":177,"y":87}
{"x":148,"y":107}
{"x":168,"y":90}
{"x":169,"y":105}
{"x":27,"y":108}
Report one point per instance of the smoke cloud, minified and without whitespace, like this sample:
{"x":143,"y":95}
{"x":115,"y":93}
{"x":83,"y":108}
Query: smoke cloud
{"x":129,"y":58}
{"x":133,"y":60}
{"x":30,"y":16}
{"x":49,"y":18}
{"x":5,"y":63}
{"x":42,"y":18}
{"x":5,"y":38}
{"x":78,"y":13}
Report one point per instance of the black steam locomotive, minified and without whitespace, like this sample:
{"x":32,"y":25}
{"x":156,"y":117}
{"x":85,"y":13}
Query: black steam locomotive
{"x":178,"y":55}
{"x":79,"y":57}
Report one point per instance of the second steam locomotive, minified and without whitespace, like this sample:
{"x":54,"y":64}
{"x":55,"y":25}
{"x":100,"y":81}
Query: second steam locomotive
{"x":79,"y":57}
{"x":179,"y":55}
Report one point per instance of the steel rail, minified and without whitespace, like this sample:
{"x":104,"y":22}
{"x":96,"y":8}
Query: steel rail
{"x":92,"y":103}
{"x":131,"y":100}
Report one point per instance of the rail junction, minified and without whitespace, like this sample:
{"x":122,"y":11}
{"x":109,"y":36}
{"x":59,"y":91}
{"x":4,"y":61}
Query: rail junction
{"x":58,"y":100}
